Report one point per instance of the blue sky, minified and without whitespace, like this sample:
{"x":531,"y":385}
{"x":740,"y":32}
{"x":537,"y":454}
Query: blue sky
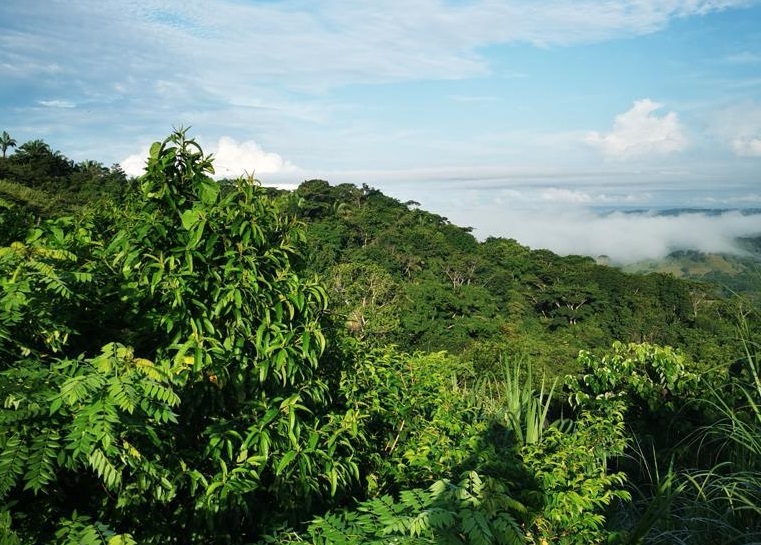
{"x":492,"y":113}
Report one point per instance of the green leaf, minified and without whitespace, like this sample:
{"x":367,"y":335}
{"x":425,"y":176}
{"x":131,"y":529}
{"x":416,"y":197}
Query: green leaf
{"x":208,"y":191}
{"x":155,"y":150}
{"x":288,"y":457}
{"x":190,"y":218}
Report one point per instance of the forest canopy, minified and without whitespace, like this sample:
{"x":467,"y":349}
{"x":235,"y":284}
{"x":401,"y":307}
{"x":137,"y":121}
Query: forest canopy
{"x":185,"y":360}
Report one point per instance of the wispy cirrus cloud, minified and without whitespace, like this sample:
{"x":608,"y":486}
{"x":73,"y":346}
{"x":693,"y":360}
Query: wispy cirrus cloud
{"x":416,"y":97}
{"x":744,"y":57}
{"x":323,"y":43}
{"x":57,"y":104}
{"x":562,"y":195}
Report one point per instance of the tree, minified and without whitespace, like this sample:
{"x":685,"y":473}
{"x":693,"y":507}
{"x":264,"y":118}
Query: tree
{"x":165,"y":372}
{"x":6,"y":142}
{"x":369,"y":299}
{"x":35,"y":164}
{"x":32,"y":150}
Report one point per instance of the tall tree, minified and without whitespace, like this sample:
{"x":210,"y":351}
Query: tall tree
{"x":6,"y":142}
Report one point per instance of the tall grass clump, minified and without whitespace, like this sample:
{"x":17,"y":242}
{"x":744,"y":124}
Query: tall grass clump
{"x":719,"y":499}
{"x":730,"y":490}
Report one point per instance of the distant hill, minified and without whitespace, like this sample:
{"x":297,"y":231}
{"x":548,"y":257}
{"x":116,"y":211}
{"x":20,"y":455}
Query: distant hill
{"x":732,"y":274}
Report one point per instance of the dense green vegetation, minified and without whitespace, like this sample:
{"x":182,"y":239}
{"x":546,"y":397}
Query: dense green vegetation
{"x":402,"y":275}
{"x":191,"y":361}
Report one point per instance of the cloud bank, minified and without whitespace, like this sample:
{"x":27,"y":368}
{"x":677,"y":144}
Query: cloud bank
{"x":625,"y":237}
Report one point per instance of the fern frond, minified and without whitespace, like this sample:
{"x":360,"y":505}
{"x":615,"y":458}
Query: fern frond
{"x":437,"y":518}
{"x":149,"y":369}
{"x":43,"y":454}
{"x":414,"y":499}
{"x":82,"y":277}
{"x":56,"y":254}
{"x":92,"y":424}
{"x":123,"y":394}
{"x":476,"y":527}
{"x":12,"y":462}
{"x":507,"y":531}
{"x":383,"y":508}
{"x":110,"y":476}
{"x":50,"y":278}
{"x":157,"y":392}
{"x":332,"y":528}
{"x":80,"y":531}
{"x":77,"y":388}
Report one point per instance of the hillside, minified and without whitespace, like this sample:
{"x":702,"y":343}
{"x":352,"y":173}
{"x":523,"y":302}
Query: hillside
{"x":188,"y":361}
{"x":730,"y":273}
{"x":423,"y":283}
{"x":398,"y":274}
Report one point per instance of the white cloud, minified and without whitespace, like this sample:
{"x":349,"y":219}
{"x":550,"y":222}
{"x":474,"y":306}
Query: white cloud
{"x":747,"y":147}
{"x":638,"y":132}
{"x":232,"y":159}
{"x":560,"y":195}
{"x":735,"y":200}
{"x":313,"y":44}
{"x":134,"y":165}
{"x":57,"y":104}
{"x":264,"y":69}
{"x":739,"y":127}
{"x":744,"y":57}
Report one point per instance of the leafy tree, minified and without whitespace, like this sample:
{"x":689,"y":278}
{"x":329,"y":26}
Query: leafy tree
{"x":35,"y":164}
{"x":439,"y":318}
{"x":166,"y":361}
{"x":368,"y":298}
{"x":642,"y":374}
{"x":315,"y":199}
{"x":207,"y":409}
{"x":519,"y":479}
{"x":572,"y":470}
{"x":419,"y":422}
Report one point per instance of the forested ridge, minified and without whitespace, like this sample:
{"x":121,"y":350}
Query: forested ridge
{"x":185,"y":360}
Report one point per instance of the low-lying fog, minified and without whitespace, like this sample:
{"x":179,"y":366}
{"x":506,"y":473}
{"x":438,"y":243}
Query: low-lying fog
{"x":624,"y":236}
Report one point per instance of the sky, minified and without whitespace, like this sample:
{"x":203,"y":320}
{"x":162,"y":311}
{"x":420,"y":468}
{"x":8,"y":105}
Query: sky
{"x":520,"y":118}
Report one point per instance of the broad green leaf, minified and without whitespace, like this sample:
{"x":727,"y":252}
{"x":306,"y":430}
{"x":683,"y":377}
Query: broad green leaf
{"x":208,"y":191}
{"x":190,"y":218}
{"x":288,"y":457}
